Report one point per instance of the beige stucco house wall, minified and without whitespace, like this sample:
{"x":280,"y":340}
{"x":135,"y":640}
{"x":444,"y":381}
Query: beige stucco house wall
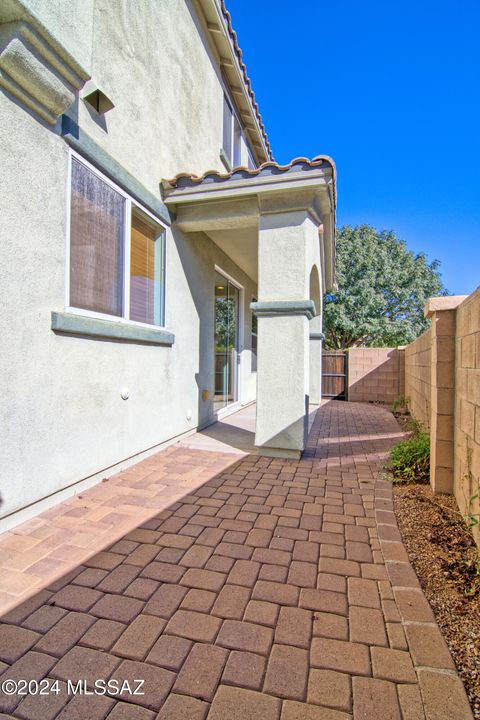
{"x":76,"y":406}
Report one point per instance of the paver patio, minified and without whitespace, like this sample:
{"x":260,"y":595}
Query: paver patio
{"x":274,"y":589}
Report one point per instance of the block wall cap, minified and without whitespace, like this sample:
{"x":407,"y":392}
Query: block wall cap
{"x":447,"y":302}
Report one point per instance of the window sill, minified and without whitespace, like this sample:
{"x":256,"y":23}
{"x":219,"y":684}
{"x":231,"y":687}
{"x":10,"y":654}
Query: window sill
{"x":72,"y":324}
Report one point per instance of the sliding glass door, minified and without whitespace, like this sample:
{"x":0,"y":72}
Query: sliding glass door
{"x":226,"y":342}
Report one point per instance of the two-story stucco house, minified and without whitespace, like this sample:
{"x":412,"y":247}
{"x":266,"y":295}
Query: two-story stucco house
{"x":158,"y":268}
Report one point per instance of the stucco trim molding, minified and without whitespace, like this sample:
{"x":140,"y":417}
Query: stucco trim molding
{"x":34,"y":72}
{"x":72,"y":324}
{"x":317,"y":336}
{"x":272,"y":308}
{"x":84,"y":145}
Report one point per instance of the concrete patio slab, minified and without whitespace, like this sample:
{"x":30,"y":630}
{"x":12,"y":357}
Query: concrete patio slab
{"x":248,"y":587}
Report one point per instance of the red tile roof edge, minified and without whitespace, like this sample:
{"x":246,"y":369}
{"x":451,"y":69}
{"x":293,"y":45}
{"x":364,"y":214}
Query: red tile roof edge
{"x":317,"y":161}
{"x":238,"y":52}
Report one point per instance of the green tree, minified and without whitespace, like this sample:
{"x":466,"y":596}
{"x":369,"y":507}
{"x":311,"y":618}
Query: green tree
{"x":382,"y":290}
{"x":225,"y":323}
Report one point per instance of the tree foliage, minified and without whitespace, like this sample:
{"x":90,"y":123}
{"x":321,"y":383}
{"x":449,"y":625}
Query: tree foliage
{"x":225,"y":323}
{"x":382,"y":290}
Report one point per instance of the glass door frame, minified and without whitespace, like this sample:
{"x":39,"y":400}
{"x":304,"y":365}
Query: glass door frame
{"x":234,"y":406}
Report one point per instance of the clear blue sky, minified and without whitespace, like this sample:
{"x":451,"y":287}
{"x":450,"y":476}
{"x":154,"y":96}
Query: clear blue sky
{"x":391,"y":90}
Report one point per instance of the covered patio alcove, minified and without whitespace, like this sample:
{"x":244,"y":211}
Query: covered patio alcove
{"x":277,"y":223}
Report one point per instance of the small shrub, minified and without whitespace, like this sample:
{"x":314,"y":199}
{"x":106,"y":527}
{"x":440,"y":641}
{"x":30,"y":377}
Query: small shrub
{"x":400,"y":405}
{"x":472,"y":519}
{"x":410,"y":459}
{"x":413,"y":426}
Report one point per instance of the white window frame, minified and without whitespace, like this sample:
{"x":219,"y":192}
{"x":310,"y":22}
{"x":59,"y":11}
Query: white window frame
{"x":234,"y":116}
{"x":129,"y":202}
{"x":237,"y":150}
{"x":252,"y":335}
{"x":226,"y":99}
{"x":241,"y":348}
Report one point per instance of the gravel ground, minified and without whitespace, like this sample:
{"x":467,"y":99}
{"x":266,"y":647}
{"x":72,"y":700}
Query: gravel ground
{"x":443,"y":554}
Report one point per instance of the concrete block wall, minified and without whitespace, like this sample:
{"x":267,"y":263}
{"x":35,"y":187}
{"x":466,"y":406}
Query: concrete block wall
{"x":442,"y":382}
{"x":442,"y":333}
{"x":439,"y":373}
{"x":375,"y":374}
{"x":418,"y":377}
{"x":466,"y":465}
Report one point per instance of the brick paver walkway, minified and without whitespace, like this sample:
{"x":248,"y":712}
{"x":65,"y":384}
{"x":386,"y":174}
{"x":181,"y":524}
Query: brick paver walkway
{"x":48,"y":546}
{"x":278,"y":590}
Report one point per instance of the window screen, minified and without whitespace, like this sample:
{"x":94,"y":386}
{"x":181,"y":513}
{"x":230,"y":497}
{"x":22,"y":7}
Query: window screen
{"x":97,"y":218}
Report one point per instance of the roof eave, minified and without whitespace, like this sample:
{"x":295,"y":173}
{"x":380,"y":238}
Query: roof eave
{"x":217,"y":23}
{"x":248,"y":186}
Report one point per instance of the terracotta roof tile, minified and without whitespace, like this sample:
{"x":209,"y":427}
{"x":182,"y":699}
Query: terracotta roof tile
{"x":184,"y":179}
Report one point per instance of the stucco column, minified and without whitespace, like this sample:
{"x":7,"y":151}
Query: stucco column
{"x":287,"y":243}
{"x":316,"y":344}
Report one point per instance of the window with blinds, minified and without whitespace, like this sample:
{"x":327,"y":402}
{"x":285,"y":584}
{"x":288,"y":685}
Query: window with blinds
{"x":96,"y":243}
{"x":117,"y":251}
{"x":146,"y":270}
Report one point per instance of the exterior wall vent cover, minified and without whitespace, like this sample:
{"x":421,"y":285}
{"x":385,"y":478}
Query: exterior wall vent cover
{"x":98,"y":101}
